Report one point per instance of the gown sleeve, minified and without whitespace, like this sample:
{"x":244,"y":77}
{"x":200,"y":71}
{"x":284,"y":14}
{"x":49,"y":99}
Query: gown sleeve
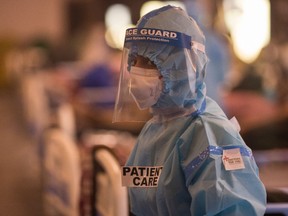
{"x":213,"y":189}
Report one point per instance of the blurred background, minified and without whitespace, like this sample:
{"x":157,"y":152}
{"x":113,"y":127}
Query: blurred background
{"x":59,"y":68}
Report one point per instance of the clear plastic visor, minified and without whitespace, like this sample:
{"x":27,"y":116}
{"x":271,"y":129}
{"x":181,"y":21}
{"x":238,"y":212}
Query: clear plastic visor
{"x":126,"y":109}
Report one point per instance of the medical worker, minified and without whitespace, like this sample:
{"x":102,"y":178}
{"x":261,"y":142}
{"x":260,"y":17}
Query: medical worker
{"x":189,"y":159}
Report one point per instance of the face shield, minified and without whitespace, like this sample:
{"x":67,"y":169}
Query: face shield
{"x":165,"y":87}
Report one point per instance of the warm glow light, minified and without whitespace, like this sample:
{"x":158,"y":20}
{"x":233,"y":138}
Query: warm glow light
{"x":117,"y":20}
{"x":115,"y":36}
{"x":249,"y":25}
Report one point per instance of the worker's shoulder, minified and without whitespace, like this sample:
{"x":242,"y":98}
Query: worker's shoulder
{"x":218,"y":129}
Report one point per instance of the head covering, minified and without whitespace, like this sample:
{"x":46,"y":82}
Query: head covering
{"x":184,"y":90}
{"x":175,"y":44}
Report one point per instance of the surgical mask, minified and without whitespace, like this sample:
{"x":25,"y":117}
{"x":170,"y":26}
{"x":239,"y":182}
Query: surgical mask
{"x":145,"y":86}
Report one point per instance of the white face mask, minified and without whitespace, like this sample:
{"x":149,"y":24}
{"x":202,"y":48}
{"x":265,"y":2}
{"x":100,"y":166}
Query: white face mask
{"x":145,"y":86}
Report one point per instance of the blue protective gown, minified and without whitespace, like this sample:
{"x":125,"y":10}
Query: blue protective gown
{"x":189,"y":143}
{"x":193,"y":179}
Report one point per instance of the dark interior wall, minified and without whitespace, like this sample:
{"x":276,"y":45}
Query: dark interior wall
{"x":279,"y":20}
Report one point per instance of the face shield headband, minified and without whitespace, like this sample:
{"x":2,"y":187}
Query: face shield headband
{"x":156,"y":45}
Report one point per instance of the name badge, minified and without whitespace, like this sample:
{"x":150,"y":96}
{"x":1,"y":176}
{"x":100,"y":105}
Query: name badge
{"x":141,"y":176}
{"x":232,"y":159}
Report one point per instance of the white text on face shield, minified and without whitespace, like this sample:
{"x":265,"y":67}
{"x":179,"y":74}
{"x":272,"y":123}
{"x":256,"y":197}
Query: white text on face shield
{"x":141,"y":176}
{"x":151,"y":32}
